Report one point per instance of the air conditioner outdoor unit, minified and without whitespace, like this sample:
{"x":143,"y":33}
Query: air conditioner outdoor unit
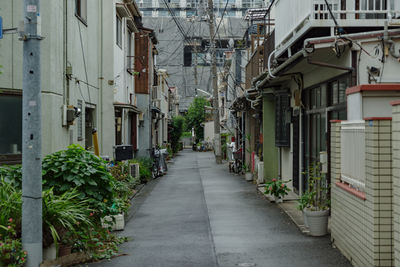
{"x":134,"y":170}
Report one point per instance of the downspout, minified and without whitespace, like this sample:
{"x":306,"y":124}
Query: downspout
{"x":101,"y":79}
{"x":65,"y":78}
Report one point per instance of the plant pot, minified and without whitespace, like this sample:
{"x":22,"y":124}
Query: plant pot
{"x":50,"y":253}
{"x":249,"y":176}
{"x":278,"y":199}
{"x":64,"y":250}
{"x":317,"y":222}
{"x":305,"y":219}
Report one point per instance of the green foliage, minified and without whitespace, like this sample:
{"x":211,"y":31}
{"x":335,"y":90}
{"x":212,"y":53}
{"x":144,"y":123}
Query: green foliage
{"x":277,"y":188}
{"x":65,"y":212}
{"x":176,"y":132}
{"x":196,"y":116}
{"x":12,"y":174}
{"x":305,"y":201}
{"x":78,"y":168}
{"x":11,"y":252}
{"x":317,"y":188}
{"x":145,"y":165}
{"x":10,"y":203}
{"x":96,"y":241}
{"x":186,"y":134}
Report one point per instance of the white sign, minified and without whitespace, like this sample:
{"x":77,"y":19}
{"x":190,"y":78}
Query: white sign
{"x":31,"y":8}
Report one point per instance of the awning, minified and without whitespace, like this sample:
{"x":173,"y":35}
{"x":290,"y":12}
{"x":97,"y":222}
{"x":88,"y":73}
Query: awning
{"x":128,"y":107}
{"x":155,"y":110}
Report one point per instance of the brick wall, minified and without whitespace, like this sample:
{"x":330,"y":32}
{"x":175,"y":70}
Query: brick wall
{"x":396,"y":182}
{"x":361,"y":222}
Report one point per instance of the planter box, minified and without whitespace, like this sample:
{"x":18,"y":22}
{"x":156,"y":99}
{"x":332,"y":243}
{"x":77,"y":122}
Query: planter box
{"x":117,"y":225}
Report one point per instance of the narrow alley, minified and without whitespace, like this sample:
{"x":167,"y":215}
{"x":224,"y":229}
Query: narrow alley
{"x":200,"y":215}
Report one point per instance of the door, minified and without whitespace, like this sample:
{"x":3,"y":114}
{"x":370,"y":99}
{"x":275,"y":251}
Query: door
{"x":296,"y":152}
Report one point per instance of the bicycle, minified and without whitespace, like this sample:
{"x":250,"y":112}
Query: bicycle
{"x":237,"y":164}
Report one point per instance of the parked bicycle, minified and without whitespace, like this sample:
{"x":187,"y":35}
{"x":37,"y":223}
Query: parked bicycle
{"x":236,"y":165}
{"x":159,"y":166}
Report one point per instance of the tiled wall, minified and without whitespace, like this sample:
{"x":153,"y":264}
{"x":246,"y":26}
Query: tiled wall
{"x":396,"y":182}
{"x":362,"y":229}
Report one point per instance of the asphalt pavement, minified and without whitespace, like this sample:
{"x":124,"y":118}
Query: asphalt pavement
{"x":201,"y":215}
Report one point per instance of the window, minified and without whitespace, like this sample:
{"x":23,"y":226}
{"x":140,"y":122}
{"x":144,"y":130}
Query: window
{"x":163,"y":13}
{"x":130,"y":52}
{"x":147,"y":13}
{"x":119,"y":31}
{"x":10,"y":128}
{"x":282,"y":120}
{"x":81,"y":10}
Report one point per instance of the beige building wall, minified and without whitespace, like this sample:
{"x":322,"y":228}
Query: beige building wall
{"x":362,"y":228}
{"x":396,"y":182}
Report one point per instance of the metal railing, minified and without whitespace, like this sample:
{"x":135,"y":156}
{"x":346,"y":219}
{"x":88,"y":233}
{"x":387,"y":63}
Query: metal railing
{"x":291,"y":15}
{"x":353,"y":154}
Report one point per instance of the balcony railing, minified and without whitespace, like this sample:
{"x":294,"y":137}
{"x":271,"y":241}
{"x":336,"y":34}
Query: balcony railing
{"x":353,"y":154}
{"x":292,"y":15}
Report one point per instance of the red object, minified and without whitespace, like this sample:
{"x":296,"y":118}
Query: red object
{"x":351,"y":190}
{"x":233,"y":139}
{"x":373,"y":87}
{"x":335,"y":121}
{"x":395,"y":103}
{"x":378,"y":119}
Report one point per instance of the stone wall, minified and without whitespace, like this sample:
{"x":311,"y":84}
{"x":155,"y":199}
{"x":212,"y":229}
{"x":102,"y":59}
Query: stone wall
{"x":361,"y":222}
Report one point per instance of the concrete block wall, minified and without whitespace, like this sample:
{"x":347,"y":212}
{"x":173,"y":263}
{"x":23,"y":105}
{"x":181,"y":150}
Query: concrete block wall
{"x":361,"y":222}
{"x":396,"y":182}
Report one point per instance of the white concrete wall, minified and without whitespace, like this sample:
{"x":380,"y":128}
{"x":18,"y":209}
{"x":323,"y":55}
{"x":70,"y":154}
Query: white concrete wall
{"x":209,"y":131}
{"x":54,"y":92}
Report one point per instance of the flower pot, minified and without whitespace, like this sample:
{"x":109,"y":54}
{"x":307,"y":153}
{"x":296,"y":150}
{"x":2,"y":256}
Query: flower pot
{"x":317,"y":222}
{"x":305,"y":219}
{"x":249,"y":176}
{"x":50,"y":253}
{"x":278,"y":199}
{"x":64,"y":250}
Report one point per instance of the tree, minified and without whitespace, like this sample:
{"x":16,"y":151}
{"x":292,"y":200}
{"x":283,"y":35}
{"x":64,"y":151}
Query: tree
{"x":196,"y":116}
{"x":176,"y":132}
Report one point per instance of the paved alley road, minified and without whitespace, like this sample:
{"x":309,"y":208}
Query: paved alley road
{"x":200,"y":215}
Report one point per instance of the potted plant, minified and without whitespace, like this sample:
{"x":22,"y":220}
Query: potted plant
{"x":247,"y":173}
{"x":317,"y":209}
{"x":303,"y":203}
{"x":277,"y":188}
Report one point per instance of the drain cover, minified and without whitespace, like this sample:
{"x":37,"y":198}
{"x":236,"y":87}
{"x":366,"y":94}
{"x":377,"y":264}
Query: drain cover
{"x":246,"y":264}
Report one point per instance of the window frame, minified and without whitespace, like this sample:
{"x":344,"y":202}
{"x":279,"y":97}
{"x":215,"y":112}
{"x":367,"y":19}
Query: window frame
{"x":10,"y":159}
{"x":78,"y":10}
{"x":118,"y":31}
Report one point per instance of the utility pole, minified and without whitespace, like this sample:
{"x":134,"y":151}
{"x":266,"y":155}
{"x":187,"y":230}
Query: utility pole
{"x":217,"y":127}
{"x":31,"y":135}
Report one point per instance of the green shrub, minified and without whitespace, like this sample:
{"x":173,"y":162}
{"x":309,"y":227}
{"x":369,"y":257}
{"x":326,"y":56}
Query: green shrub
{"x":10,"y":204}
{"x":12,"y":174}
{"x":176,"y":132}
{"x":145,"y":165}
{"x":80,"y":169}
{"x":61,"y":213}
{"x":11,"y":252}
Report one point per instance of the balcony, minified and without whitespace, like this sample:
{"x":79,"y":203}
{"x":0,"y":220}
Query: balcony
{"x":294,"y":18}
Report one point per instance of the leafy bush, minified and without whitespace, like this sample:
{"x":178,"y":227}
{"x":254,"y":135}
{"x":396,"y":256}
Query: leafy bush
{"x":10,"y":203}
{"x":176,"y":132}
{"x":187,"y":134}
{"x":11,"y":252}
{"x":196,"y":116}
{"x":78,"y":168}
{"x":276,"y":188}
{"x":145,"y":165}
{"x":63,"y":213}
{"x":12,"y":174}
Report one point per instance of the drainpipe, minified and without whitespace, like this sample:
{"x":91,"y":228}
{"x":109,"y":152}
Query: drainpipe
{"x":269,"y":64}
{"x":65,"y":78}
{"x":101,"y":80}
